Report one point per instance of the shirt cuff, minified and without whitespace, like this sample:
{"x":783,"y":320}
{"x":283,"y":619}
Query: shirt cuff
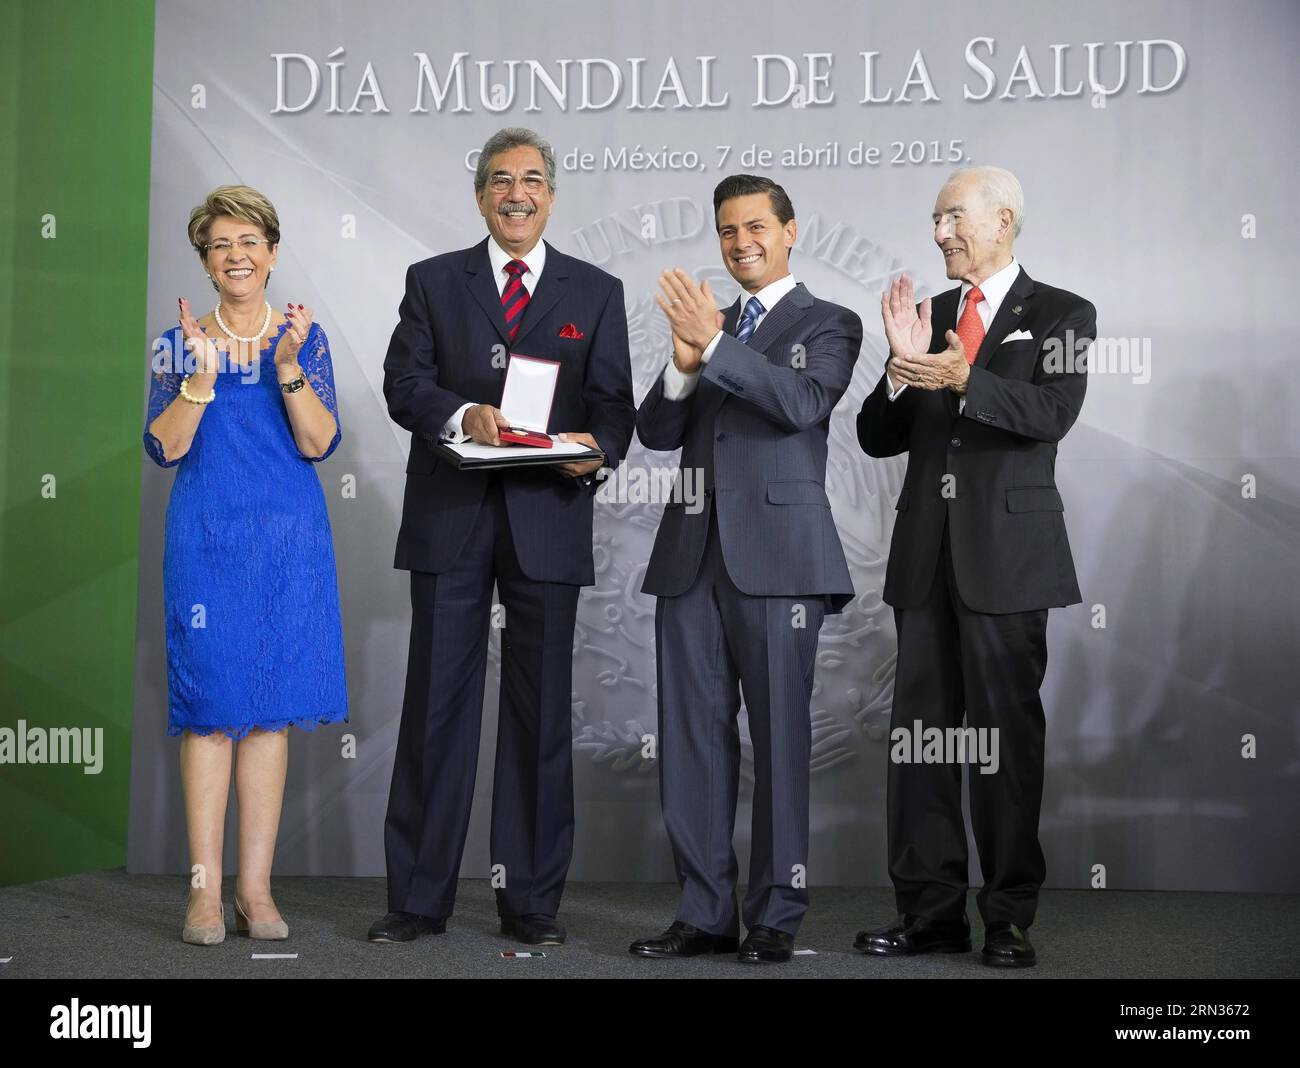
{"x":451,"y":429}
{"x":707,"y":354}
{"x":678,"y":385}
{"x":895,"y":392}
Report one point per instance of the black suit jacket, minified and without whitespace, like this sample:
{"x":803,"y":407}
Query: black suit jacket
{"x":1010,"y":551}
{"x":441,"y":356}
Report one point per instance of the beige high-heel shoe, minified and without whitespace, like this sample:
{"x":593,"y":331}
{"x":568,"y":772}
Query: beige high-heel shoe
{"x":276,"y":930}
{"x":205,"y":936}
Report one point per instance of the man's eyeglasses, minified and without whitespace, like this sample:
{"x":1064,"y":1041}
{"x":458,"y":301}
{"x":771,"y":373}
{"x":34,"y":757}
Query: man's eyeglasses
{"x":503,"y":183}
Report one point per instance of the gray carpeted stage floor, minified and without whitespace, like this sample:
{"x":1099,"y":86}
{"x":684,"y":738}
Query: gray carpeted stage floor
{"x":111,"y":925}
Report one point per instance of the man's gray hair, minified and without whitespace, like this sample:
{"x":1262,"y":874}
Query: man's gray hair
{"x":504,"y":141}
{"x":1001,"y":189}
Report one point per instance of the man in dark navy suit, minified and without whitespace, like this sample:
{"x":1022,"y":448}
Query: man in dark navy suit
{"x":744,"y":582}
{"x":526,"y":531}
{"x":978,"y":390}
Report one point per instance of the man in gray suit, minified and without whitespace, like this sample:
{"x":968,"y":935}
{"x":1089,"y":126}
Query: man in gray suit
{"x":744,"y":582}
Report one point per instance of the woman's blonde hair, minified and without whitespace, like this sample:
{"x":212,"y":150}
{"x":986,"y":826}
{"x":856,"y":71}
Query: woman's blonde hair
{"x":239,"y":202}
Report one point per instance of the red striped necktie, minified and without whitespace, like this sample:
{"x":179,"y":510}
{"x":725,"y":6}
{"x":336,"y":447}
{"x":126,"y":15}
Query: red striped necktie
{"x":514,"y":298}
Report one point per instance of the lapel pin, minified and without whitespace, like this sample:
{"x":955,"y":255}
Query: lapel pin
{"x":1016,"y":310}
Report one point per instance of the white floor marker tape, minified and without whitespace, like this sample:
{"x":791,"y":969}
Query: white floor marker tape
{"x":805,"y":952}
{"x":275,"y":956}
{"x":5,"y":960}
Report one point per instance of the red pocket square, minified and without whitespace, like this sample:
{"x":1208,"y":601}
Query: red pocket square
{"x":569,"y":330}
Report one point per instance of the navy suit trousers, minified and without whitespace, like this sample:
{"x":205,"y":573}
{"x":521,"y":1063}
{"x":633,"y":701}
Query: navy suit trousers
{"x":713,"y":643}
{"x":437,"y":746}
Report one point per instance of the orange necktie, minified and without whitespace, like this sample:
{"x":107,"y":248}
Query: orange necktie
{"x":971,"y":327}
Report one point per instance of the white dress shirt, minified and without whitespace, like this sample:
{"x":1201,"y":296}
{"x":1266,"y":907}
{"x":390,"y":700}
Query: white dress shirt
{"x":995,"y":288}
{"x":499,"y":257}
{"x":678,"y":385}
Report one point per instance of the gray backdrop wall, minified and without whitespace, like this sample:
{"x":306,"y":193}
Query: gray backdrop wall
{"x":1168,"y":203}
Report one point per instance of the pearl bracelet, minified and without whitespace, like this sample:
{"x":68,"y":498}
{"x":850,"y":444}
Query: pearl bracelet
{"x":197,"y":400}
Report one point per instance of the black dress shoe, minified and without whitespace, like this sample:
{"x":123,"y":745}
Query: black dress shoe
{"x":405,"y":927}
{"x":909,"y":935}
{"x":766,"y":945}
{"x":1007,"y":946}
{"x":683,"y":940}
{"x":533,"y":930}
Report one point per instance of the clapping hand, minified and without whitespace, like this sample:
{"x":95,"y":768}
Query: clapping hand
{"x":207,"y":351}
{"x":943,"y":370}
{"x":907,"y":332}
{"x":295,"y":335}
{"x":692,"y":314}
{"x":685,"y":357}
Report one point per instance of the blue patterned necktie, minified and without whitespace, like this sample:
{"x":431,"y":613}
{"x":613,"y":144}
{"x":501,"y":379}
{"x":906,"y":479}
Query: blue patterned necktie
{"x":749,"y":319}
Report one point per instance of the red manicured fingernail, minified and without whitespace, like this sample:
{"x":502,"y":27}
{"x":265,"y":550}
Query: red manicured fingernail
{"x":300,"y":307}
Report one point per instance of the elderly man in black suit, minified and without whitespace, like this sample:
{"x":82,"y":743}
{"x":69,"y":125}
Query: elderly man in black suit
{"x":979,"y":388}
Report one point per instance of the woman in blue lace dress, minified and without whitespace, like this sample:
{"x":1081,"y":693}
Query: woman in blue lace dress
{"x":242,"y":404}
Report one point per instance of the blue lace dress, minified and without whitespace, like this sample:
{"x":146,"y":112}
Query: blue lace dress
{"x":250,"y":592}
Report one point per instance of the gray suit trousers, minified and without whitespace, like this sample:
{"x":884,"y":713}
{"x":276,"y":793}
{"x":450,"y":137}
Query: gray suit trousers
{"x":713,"y":642}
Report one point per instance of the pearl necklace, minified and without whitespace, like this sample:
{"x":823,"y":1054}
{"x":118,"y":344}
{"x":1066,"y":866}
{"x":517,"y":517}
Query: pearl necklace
{"x":232,"y":335}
